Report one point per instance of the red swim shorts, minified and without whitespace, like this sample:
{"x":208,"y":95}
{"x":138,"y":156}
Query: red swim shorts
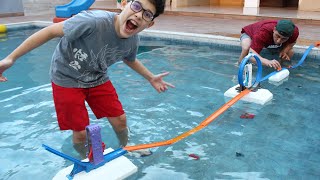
{"x":71,"y":109}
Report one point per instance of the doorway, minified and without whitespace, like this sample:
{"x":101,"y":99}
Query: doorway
{"x":279,"y":3}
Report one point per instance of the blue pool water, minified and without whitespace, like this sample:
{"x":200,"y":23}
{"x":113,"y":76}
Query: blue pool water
{"x":281,"y":142}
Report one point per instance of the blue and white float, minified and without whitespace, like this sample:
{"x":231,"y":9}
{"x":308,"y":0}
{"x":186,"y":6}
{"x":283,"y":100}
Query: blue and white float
{"x":245,"y":79}
{"x":101,"y":163}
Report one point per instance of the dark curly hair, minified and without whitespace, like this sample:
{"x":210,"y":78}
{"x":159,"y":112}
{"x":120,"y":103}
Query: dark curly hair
{"x":160,"y":5}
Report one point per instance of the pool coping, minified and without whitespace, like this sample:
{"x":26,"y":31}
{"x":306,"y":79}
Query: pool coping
{"x":188,"y":38}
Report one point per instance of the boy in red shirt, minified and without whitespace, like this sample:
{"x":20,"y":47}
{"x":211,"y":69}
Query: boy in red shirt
{"x":271,"y":34}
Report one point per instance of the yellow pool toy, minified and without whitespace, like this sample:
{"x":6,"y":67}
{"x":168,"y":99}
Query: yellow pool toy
{"x":3,"y":28}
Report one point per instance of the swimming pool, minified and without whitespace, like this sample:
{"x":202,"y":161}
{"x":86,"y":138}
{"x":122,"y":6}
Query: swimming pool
{"x":281,"y":142}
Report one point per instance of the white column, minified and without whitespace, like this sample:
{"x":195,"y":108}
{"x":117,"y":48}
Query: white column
{"x":251,"y":3}
{"x":251,"y":7}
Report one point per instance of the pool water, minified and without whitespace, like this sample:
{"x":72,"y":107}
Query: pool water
{"x":282,"y":141}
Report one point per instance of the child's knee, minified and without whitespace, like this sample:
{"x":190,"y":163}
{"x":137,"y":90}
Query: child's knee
{"x":79,"y":136}
{"x":118,"y":123}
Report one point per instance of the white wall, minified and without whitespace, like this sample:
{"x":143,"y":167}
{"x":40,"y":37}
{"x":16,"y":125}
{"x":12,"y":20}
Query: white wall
{"x":41,"y":7}
{"x":11,"y":6}
{"x":309,"y":5}
{"x":251,"y":3}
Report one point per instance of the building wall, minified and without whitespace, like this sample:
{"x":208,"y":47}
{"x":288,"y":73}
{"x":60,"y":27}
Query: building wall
{"x":40,"y":7}
{"x":11,"y":7}
{"x":104,"y":4}
{"x":309,"y":5}
{"x":304,"y":5}
{"x":231,"y":3}
{"x":214,"y":2}
{"x":185,"y":3}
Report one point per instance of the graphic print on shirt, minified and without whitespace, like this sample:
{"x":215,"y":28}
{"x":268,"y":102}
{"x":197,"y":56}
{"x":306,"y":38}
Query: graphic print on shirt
{"x":106,"y":57}
{"x":98,"y":63}
{"x":78,"y":55}
{"x":274,"y":46}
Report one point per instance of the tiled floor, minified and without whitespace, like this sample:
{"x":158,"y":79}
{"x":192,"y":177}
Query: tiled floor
{"x":226,"y":21}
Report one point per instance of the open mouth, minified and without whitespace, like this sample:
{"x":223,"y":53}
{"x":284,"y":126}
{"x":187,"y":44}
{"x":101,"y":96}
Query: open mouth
{"x":131,"y":25}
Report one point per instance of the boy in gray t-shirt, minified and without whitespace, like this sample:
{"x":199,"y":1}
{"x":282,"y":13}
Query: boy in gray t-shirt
{"x":91,"y":42}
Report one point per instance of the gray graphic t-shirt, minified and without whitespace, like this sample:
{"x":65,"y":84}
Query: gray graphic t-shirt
{"x":89,"y":46}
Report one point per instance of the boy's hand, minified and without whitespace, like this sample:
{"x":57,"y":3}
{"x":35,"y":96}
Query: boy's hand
{"x":159,"y":84}
{"x":4,"y":65}
{"x":274,"y":64}
{"x":284,"y":56}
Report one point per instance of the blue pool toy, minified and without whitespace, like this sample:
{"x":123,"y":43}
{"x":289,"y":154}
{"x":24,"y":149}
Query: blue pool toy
{"x":72,"y":8}
{"x":95,"y":147}
{"x":259,"y":95}
{"x":243,"y":67}
{"x":301,"y":61}
{"x":245,"y":80}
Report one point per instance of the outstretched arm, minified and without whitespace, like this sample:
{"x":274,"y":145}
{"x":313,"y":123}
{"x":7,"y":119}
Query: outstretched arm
{"x":155,"y":80}
{"x":34,"y":41}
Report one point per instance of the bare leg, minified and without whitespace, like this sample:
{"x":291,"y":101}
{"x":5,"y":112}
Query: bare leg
{"x":123,"y":137}
{"x":79,"y":142}
{"x":119,"y":125}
